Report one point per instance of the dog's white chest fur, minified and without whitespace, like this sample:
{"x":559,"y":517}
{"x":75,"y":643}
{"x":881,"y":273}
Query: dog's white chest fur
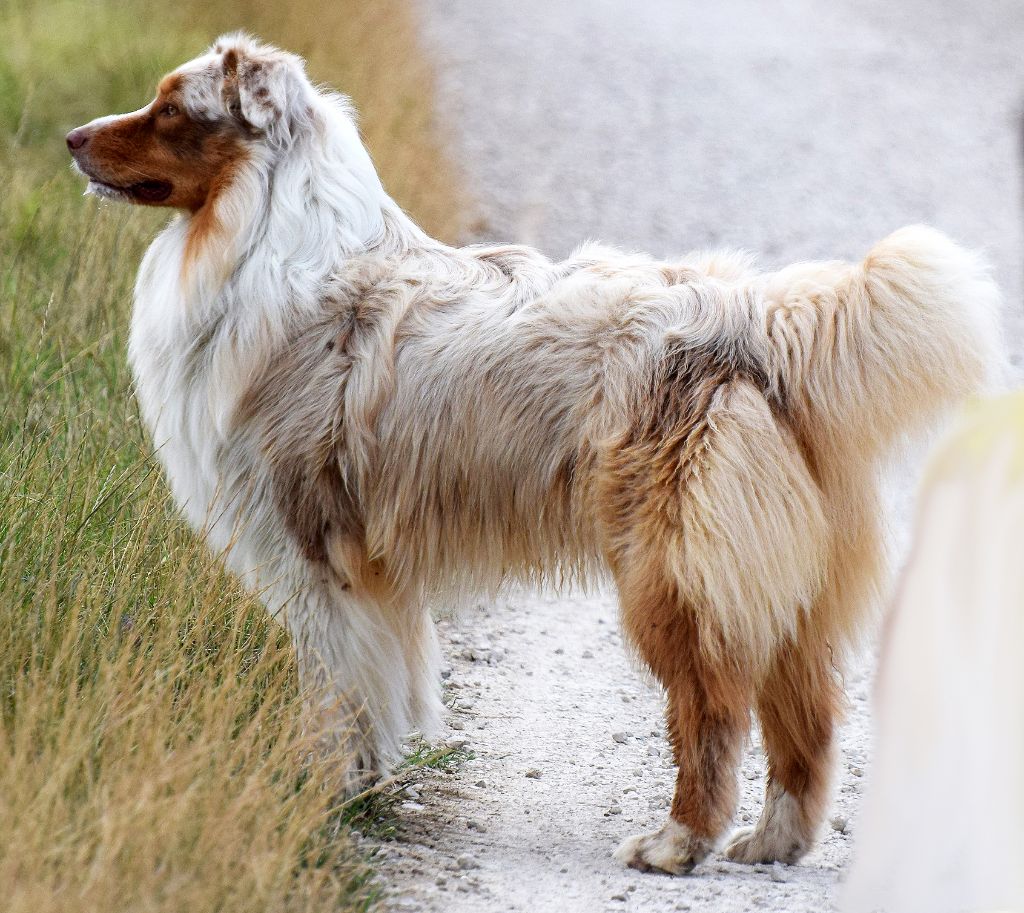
{"x":173,"y":383}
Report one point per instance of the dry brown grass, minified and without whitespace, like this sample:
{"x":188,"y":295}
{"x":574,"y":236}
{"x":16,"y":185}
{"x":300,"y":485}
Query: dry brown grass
{"x":148,"y":708}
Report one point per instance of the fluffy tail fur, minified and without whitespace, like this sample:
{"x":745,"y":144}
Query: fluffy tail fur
{"x":872,"y":351}
{"x":861,"y":355}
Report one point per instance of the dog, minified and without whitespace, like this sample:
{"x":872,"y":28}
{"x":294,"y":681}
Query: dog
{"x":367,"y":423}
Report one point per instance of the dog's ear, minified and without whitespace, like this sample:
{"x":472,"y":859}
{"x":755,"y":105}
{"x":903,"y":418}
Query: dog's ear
{"x":260,"y":89}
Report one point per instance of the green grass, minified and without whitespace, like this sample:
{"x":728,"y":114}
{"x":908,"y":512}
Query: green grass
{"x":149,"y":714}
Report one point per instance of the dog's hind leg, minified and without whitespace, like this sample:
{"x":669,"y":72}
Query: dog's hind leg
{"x":716,"y":536}
{"x":798,"y":705}
{"x":708,"y":717}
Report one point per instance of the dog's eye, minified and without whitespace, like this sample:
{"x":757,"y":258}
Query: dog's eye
{"x":169,"y":111}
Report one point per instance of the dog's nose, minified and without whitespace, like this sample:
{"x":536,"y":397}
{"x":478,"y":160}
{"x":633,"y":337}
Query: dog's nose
{"x":77,"y":138}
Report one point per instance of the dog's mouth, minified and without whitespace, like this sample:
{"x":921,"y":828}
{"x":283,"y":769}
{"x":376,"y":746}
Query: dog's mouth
{"x":150,"y":191}
{"x":147,"y":191}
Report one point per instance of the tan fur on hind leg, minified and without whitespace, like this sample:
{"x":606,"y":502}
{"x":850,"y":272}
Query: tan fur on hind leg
{"x":798,"y":705}
{"x":708,"y":715}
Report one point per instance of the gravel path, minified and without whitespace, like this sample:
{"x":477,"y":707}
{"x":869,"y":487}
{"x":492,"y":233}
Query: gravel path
{"x":807,"y":133}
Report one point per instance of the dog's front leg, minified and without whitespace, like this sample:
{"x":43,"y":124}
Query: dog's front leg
{"x":369,"y":670}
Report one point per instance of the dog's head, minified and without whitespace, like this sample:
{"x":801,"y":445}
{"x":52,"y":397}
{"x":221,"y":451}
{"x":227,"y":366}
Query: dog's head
{"x":210,"y":116}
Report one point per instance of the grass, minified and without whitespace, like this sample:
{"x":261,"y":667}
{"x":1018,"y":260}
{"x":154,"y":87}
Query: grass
{"x":149,"y":711}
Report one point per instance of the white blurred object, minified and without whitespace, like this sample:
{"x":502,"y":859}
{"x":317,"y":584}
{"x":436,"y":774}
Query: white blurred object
{"x":942,"y":829}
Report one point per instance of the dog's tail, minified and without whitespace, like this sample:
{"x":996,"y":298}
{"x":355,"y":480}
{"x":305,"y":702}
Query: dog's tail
{"x":867,"y":352}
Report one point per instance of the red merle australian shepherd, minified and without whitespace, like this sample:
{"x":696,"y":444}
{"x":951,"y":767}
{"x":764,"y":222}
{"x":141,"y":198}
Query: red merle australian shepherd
{"x":367,"y":423}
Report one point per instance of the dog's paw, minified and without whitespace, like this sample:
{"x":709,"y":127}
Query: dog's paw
{"x":673,"y":850}
{"x":752,"y":845}
{"x":347,"y":759}
{"x":781,"y":835}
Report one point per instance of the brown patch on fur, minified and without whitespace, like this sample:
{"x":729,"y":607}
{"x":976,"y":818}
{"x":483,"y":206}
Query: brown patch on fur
{"x":648,"y":466}
{"x":347,"y":557}
{"x":222,"y":166}
{"x":799,"y":705}
{"x":195,"y":158}
{"x":170,"y":84}
{"x":641,"y":483}
{"x":678,"y":275}
{"x":707,"y":707}
{"x":295,"y":413}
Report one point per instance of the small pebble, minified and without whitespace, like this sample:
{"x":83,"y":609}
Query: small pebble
{"x":533,"y":774}
{"x":457,"y":724}
{"x":839,"y":823}
{"x":587,"y":654}
{"x":614,"y":810}
{"x":620,"y":737}
{"x":465,"y":862}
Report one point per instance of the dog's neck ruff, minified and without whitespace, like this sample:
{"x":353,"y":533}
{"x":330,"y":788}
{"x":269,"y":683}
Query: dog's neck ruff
{"x":298,"y":208}
{"x":206,"y":318}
